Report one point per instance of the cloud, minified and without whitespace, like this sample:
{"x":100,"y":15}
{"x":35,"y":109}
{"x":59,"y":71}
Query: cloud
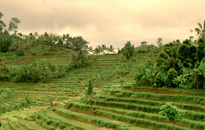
{"x":108,"y":21}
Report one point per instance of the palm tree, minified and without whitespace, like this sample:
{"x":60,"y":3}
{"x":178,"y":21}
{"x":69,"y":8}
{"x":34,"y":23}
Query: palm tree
{"x":111,"y":49}
{"x":170,"y":60}
{"x":159,"y":41}
{"x":200,"y":31}
{"x":97,"y":50}
{"x":2,"y":24}
{"x":100,"y":48}
{"x":90,"y":49}
{"x":104,"y":47}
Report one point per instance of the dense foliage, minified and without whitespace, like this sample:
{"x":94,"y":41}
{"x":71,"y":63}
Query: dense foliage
{"x":128,"y":51}
{"x":171,"y":112}
{"x":177,"y":65}
{"x":38,"y":71}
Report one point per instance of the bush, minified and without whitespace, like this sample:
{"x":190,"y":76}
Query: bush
{"x":128,"y":50}
{"x":39,"y":71}
{"x":171,"y":112}
{"x":172,"y":73}
{"x":4,"y":73}
{"x":79,"y":60}
{"x":5,"y":42}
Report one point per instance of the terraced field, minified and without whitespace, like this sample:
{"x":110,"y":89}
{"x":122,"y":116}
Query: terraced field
{"x":71,"y":87}
{"x":117,"y":107}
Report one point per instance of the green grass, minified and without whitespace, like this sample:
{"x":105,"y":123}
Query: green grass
{"x":117,"y":108}
{"x":134,"y":113}
{"x":161,"y":97}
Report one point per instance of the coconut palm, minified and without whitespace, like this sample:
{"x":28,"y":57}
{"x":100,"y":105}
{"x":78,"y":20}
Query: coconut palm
{"x":90,"y":49}
{"x":97,"y":51}
{"x":104,"y":47}
{"x":159,"y":41}
{"x":200,"y":31}
{"x":111,"y":49}
{"x":170,"y":60}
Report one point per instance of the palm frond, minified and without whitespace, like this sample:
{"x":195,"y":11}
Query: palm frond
{"x":200,"y":26}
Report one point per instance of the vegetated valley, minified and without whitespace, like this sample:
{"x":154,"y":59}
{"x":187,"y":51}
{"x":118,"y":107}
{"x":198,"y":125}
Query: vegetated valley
{"x":53,"y":82}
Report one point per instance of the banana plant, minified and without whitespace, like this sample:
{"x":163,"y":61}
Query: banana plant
{"x":179,"y":80}
{"x":147,"y":77}
{"x":198,"y":70}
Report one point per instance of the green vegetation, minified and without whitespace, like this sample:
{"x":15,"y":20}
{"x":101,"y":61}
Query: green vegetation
{"x":128,"y":50}
{"x":90,"y":93}
{"x":177,"y":65}
{"x":171,"y":112}
{"x":50,"y":82}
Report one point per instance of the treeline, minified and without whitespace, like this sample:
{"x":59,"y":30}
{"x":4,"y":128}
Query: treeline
{"x":179,"y":64}
{"x":14,"y":44}
{"x":13,"y":41}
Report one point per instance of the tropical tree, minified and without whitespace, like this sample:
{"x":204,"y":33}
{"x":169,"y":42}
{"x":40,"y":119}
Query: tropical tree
{"x":171,"y":74}
{"x":197,"y":72}
{"x":97,"y":50}
{"x":128,"y":50}
{"x":90,"y":93}
{"x":13,"y":24}
{"x":159,"y":41}
{"x":104,"y":47}
{"x":200,"y":30}
{"x":143,"y":43}
{"x":79,"y":60}
{"x":179,"y":80}
{"x":2,"y":24}
{"x":5,"y":37}
{"x":169,"y":58}
{"x":90,"y":49}
{"x":111,"y":49}
{"x":76,"y":43}
{"x":100,"y":49}
{"x":147,"y":77}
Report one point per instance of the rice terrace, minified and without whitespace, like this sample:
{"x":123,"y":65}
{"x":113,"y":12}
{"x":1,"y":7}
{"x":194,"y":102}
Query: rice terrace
{"x":60,"y":82}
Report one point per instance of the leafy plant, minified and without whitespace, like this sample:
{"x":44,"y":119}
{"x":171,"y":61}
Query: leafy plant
{"x":90,"y":93}
{"x":171,"y":112}
{"x":171,"y":74}
{"x":128,"y":50}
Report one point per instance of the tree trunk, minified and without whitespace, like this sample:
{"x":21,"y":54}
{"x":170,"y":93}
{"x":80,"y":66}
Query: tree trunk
{"x":91,"y":106}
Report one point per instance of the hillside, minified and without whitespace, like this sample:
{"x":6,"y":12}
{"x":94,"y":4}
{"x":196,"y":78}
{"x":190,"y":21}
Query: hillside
{"x":118,"y":102}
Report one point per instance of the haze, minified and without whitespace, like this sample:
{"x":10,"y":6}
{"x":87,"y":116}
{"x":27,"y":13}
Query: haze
{"x":108,"y":21}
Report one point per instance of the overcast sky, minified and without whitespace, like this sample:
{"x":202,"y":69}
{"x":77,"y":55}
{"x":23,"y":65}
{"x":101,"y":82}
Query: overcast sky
{"x":108,"y":21}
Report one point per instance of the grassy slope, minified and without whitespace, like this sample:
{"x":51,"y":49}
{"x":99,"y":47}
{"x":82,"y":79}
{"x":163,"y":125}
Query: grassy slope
{"x":116,"y":108}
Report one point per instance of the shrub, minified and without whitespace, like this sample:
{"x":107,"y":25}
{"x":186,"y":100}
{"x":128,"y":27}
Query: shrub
{"x":159,"y":80}
{"x":4,"y":73}
{"x":172,"y":73}
{"x":128,"y":50}
{"x":5,"y":42}
{"x":171,"y":112}
{"x":39,"y":71}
